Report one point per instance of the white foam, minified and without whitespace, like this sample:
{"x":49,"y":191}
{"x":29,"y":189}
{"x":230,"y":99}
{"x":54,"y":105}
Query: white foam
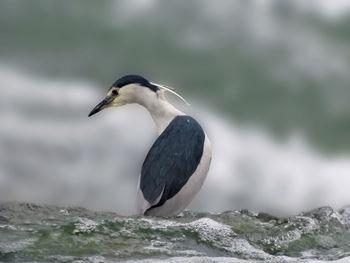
{"x":52,"y":153}
{"x":196,"y":259}
{"x":16,"y":245}
{"x":251,"y":170}
{"x":85,"y":225}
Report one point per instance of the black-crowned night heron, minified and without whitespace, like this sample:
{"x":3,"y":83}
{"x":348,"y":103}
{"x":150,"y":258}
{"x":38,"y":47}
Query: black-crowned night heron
{"x":178,"y":161}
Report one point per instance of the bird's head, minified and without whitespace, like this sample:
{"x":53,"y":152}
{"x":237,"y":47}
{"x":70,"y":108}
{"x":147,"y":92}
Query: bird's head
{"x":125,"y":90}
{"x":130,"y":89}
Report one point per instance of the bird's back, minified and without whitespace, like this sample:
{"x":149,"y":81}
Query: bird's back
{"x":172,"y":160}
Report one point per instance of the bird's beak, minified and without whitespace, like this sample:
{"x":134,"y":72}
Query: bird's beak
{"x":102,"y":105}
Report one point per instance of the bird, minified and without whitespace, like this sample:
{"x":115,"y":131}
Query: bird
{"x":178,"y":162}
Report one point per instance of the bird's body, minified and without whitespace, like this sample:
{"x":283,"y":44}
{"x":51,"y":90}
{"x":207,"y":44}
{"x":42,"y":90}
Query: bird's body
{"x":178,"y":161}
{"x":174,"y":169}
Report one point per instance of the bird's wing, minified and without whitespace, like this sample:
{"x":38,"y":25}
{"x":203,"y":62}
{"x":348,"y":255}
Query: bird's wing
{"x":171,"y":161}
{"x":142,"y":205}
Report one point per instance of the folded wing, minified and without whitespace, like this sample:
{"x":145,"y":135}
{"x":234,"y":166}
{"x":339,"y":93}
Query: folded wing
{"x":171,"y":161}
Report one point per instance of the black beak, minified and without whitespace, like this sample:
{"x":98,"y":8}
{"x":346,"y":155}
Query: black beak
{"x":101,"y":105}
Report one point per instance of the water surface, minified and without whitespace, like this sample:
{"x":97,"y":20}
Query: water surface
{"x":39,"y":233}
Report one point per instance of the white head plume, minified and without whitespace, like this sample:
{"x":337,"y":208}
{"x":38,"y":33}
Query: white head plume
{"x":171,"y":90}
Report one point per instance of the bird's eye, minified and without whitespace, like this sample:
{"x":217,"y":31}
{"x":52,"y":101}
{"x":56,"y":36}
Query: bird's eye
{"x":115,"y":92}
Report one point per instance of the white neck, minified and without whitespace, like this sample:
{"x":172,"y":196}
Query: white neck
{"x":161,"y":110}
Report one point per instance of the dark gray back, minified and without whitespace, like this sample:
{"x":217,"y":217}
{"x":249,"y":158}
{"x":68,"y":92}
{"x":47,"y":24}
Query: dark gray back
{"x":172,"y":159}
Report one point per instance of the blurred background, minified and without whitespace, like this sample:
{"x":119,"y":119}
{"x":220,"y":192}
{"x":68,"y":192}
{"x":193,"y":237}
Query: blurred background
{"x":268,"y":80}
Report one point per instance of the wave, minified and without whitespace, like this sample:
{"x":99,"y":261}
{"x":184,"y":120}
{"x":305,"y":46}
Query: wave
{"x":30,"y":232}
{"x":52,"y":153}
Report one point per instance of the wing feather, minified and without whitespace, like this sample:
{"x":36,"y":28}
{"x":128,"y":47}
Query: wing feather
{"x":171,"y":161}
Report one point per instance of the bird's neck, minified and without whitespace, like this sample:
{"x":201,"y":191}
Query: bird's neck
{"x":161,"y":110}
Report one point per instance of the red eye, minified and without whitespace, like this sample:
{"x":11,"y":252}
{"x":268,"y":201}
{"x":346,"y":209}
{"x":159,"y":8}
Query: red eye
{"x":115,"y":92}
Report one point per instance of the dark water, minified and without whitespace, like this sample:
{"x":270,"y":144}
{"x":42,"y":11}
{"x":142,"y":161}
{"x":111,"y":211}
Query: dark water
{"x":34,"y":233}
{"x":275,"y":65}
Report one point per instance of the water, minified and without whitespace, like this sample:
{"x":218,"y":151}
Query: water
{"x":268,"y":80}
{"x":281,"y":65}
{"x":31,"y":233}
{"x":52,"y":153}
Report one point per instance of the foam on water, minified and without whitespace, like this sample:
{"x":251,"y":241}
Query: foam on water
{"x":52,"y":153}
{"x":30,"y":232}
{"x":85,"y":225}
{"x":234,"y":260}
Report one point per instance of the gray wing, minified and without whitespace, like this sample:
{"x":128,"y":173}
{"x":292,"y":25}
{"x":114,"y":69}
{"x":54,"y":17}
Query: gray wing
{"x":171,"y":161}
